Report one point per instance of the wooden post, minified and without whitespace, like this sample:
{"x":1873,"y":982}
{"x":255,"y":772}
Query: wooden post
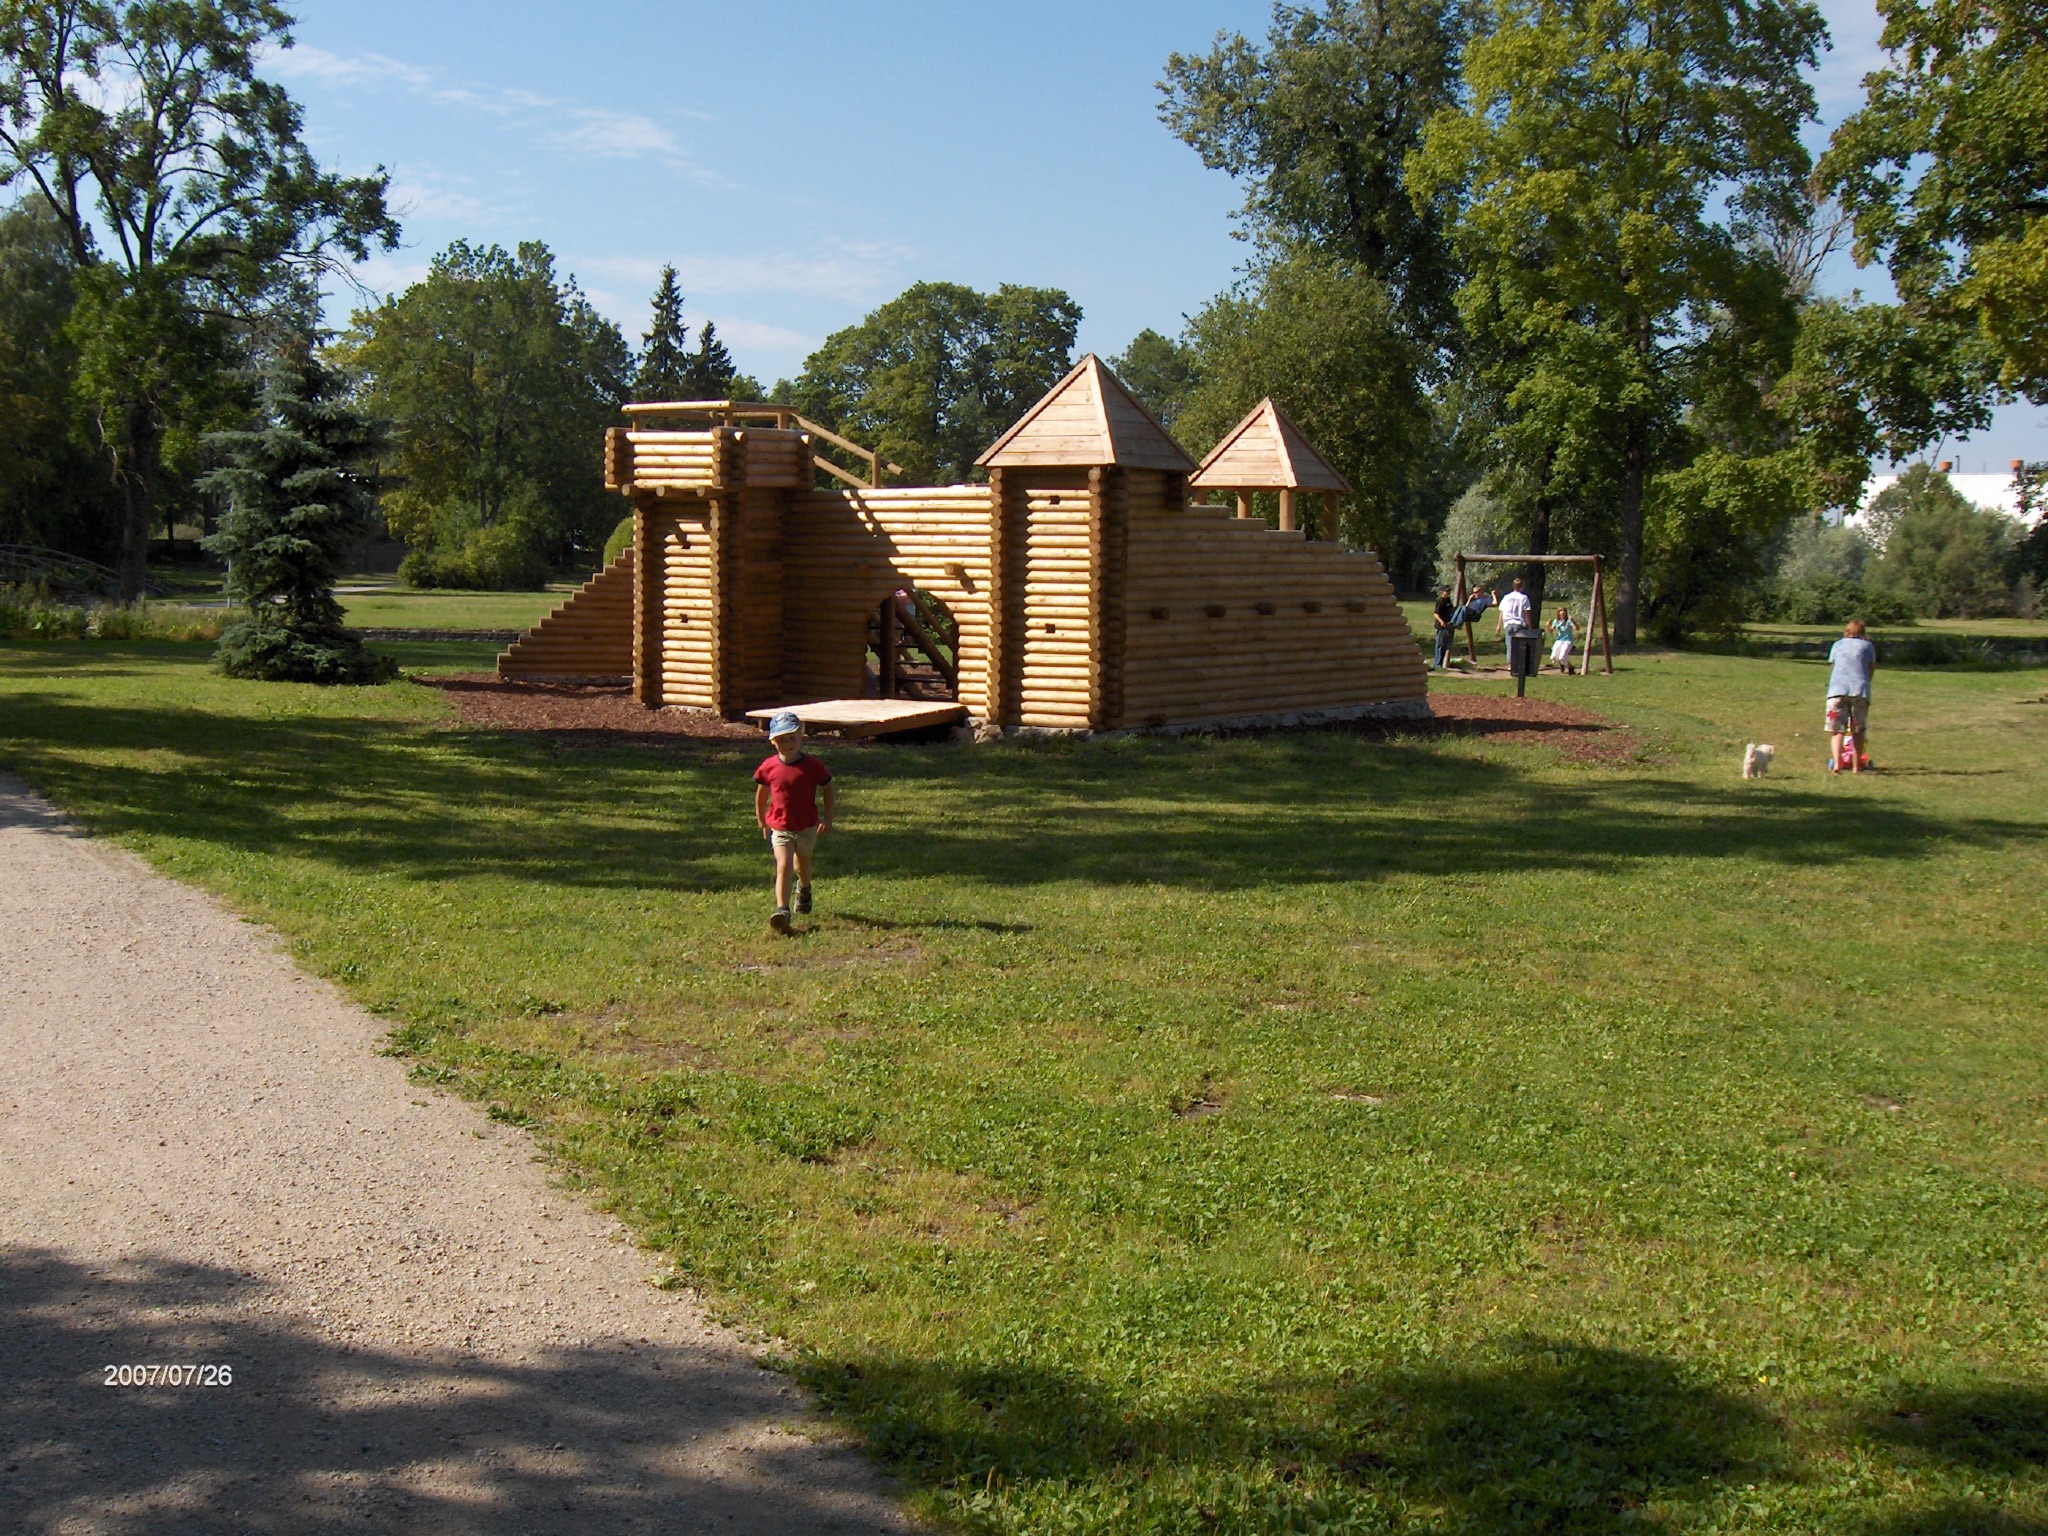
{"x":1109,"y":551}
{"x":1600,"y":603}
{"x":724,"y":559}
{"x":1002,"y":633}
{"x":1287,"y":521}
{"x":647,"y":615}
{"x":885,"y":646}
{"x":1244,"y":503}
{"x":1330,"y":516}
{"x":1463,"y":592}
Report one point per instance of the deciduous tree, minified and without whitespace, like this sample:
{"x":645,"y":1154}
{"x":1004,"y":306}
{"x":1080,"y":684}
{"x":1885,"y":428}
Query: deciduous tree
{"x":1318,"y":123}
{"x":185,"y":192}
{"x":1160,"y":371}
{"x":499,"y":379}
{"x":934,"y":376}
{"x":1602,"y":176}
{"x":1946,"y":170}
{"x":54,"y":486}
{"x":1320,"y":335}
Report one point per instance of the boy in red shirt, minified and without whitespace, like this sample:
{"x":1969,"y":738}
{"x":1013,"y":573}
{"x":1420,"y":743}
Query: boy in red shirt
{"x":786,"y":806}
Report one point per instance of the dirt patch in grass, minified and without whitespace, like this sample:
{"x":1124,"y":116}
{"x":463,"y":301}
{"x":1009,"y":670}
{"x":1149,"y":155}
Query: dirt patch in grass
{"x":586,"y":714}
{"x":1578,"y":734}
{"x":604,"y":714}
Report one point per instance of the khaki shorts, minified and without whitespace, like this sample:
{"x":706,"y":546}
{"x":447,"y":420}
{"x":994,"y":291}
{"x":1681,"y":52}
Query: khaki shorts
{"x":1847,"y":714}
{"x":805,"y":842}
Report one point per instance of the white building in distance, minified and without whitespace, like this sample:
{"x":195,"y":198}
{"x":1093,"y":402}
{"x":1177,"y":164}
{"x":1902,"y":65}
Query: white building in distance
{"x":1994,"y":493}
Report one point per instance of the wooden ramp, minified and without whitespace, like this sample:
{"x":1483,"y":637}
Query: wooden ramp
{"x":865,"y":717}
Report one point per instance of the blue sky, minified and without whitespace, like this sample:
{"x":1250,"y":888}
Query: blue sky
{"x":801,"y":164}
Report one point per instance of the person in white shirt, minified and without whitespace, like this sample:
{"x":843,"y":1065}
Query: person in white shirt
{"x":1517,"y":616}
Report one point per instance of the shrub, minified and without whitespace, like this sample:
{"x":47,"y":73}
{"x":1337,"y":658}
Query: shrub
{"x":495,"y":559}
{"x":29,"y":613}
{"x":621,"y":537}
{"x":1834,"y":600}
{"x":270,"y":647}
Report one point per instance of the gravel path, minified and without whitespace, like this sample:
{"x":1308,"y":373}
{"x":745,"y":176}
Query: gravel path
{"x":203,"y":1161}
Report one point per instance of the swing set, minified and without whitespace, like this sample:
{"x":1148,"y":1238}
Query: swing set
{"x":1598,"y":605}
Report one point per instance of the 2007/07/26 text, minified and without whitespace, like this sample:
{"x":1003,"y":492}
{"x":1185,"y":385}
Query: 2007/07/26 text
{"x":168,"y":1376}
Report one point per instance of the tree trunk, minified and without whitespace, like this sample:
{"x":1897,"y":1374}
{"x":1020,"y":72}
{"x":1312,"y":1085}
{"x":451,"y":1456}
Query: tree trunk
{"x":1539,"y":539}
{"x":135,"y":468}
{"x":1634,"y":469}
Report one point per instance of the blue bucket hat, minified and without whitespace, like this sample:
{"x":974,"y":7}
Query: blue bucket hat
{"x":784,"y":723}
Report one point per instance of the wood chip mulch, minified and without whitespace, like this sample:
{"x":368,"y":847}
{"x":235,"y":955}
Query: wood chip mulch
{"x":604,"y":715}
{"x":1577,"y":734}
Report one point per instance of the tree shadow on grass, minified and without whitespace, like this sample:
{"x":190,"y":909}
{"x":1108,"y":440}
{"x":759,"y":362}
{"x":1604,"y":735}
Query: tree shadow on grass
{"x":1541,"y":1436}
{"x":372,"y":796}
{"x":1988,"y":1429}
{"x":313,"y":1437}
{"x":1957,"y":1517}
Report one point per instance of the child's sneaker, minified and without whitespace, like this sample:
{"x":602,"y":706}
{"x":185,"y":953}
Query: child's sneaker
{"x":780,"y":921}
{"x":803,"y":898}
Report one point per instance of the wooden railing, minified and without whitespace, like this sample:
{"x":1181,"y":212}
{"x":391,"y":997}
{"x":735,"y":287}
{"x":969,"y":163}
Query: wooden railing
{"x":733,"y":413}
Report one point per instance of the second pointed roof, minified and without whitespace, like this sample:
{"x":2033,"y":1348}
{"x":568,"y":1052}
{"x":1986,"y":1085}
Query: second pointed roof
{"x":1266,"y":452}
{"x":1090,"y":420}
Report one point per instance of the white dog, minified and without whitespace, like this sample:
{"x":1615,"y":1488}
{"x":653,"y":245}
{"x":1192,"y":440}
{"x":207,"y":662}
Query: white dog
{"x":1756,"y":759}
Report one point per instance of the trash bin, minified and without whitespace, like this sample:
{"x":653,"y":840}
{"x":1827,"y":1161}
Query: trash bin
{"x":1522,"y":662}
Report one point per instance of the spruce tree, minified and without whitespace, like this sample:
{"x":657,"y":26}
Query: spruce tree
{"x":301,"y":486}
{"x":711,"y":366}
{"x":665,"y":371}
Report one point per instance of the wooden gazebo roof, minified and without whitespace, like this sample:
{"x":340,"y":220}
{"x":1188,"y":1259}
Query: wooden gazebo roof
{"x":1088,"y":419}
{"x":1266,"y":452}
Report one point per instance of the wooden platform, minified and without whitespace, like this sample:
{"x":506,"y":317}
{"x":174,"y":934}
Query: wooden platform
{"x":865,"y":717}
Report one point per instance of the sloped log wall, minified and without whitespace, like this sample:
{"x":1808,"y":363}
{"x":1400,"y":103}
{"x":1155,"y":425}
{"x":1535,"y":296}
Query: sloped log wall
{"x":590,"y":635}
{"x":1229,"y":619}
{"x":846,"y":550}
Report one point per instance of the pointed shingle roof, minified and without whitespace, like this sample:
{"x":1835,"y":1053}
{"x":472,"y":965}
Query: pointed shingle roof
{"x":1088,"y":420}
{"x":1266,"y":452}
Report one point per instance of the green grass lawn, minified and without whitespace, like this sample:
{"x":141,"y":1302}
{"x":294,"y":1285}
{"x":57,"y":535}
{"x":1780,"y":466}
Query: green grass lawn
{"x":1260,"y":1135}
{"x":398,"y":608}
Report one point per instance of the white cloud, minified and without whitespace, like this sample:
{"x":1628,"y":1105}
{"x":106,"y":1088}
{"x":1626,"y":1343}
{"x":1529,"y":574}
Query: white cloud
{"x":589,"y":130}
{"x":384,"y":275}
{"x":849,"y":274}
{"x":419,"y":195}
{"x":752,"y":335}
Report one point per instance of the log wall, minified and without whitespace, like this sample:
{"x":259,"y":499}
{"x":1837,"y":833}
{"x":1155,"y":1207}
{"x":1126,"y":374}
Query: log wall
{"x":1228,"y":618}
{"x":1051,"y":596}
{"x":846,"y":550}
{"x":590,"y":635}
{"x":696,"y":463}
{"x":675,"y":616}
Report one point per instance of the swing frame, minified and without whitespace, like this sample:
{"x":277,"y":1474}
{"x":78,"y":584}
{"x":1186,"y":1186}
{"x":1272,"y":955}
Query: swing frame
{"x":1598,"y":605}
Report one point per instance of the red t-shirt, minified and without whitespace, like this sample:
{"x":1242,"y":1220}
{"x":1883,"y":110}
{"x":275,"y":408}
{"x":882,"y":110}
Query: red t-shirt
{"x":792,"y":790}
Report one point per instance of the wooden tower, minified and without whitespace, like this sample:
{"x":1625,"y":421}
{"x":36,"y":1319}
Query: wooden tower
{"x":1267,"y":452}
{"x":1065,"y":481}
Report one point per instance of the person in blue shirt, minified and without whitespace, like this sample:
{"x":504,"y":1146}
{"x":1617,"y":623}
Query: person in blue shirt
{"x":1851,"y":661}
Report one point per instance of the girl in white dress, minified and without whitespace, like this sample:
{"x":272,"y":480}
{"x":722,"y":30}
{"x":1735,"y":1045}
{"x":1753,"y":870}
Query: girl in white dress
{"x":1562,"y":636}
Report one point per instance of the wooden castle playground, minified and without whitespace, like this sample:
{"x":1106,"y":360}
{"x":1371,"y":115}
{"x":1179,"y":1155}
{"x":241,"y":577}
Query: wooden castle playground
{"x":1078,"y":590}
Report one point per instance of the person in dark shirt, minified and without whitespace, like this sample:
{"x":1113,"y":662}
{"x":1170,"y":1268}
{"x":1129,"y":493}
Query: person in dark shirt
{"x":1444,"y":631}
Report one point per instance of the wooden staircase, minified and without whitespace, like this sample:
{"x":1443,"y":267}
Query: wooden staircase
{"x":590,"y":635}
